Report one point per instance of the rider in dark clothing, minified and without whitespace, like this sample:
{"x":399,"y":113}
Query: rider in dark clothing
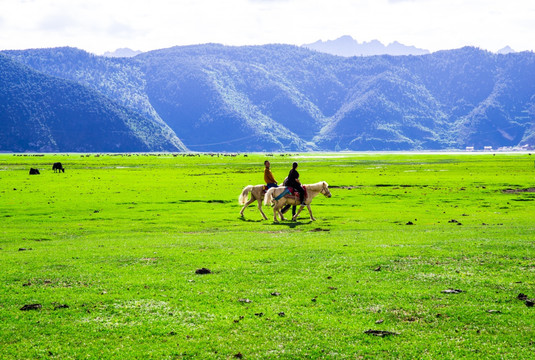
{"x":286,"y":207}
{"x":293,"y":181}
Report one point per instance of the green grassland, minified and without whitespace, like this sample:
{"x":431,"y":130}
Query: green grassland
{"x":112,"y":245}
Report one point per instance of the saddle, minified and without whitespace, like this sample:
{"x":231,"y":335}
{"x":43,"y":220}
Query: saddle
{"x":294,"y":192}
{"x":291,"y":193}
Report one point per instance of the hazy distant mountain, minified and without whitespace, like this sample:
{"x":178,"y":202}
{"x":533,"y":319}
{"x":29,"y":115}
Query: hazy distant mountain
{"x":281,"y":98}
{"x":347,"y":46}
{"x":122,"y":52}
{"x":505,"y":50}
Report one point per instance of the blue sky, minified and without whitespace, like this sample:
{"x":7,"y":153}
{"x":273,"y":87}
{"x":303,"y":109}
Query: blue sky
{"x":104,"y":25}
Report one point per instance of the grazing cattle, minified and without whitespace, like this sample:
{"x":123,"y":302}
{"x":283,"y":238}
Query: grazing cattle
{"x":57,"y":167}
{"x":34,"y":171}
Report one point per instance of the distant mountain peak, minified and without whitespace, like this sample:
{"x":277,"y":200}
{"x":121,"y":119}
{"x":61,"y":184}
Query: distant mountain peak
{"x":347,"y":46}
{"x":122,"y":52}
{"x":505,"y":50}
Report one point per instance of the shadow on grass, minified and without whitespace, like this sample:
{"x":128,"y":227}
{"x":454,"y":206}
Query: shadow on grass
{"x":206,"y":201}
{"x":249,"y":220}
{"x":290,"y":224}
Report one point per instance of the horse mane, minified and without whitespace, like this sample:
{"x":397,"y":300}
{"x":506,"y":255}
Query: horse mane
{"x":316,"y":186}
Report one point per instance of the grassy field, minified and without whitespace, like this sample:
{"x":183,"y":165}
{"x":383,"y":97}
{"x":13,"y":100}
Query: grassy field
{"x":109,"y":251}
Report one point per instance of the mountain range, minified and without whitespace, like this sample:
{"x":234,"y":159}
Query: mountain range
{"x":264,"y":98}
{"x":347,"y":46}
{"x":122,"y":52}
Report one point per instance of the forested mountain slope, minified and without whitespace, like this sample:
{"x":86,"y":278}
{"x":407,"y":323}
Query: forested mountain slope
{"x":47,"y":114}
{"x":280,"y":97}
{"x":119,"y":80}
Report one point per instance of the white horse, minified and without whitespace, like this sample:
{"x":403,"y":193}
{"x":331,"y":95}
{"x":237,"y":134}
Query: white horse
{"x":312,"y":191}
{"x":257,"y":193}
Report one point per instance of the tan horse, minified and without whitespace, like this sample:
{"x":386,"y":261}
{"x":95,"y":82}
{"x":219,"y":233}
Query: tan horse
{"x":312,"y":191}
{"x":257,"y":193}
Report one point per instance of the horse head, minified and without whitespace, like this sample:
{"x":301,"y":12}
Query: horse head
{"x":325,"y":190}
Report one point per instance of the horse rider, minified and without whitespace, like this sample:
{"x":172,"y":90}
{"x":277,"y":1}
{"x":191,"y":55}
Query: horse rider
{"x":286,"y":207}
{"x":271,"y":182}
{"x":293,"y":181}
{"x":268,"y":176}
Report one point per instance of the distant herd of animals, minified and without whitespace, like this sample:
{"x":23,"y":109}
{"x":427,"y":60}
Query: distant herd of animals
{"x":57,"y":167}
{"x":160,"y":154}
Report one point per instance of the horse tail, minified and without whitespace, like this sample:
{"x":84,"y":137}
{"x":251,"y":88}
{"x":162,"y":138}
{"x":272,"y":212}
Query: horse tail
{"x":268,"y":198}
{"x":242,"y":199}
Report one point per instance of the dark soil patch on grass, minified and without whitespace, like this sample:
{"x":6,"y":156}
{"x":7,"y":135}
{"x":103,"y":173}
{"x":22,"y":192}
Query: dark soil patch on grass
{"x":400,"y":186}
{"x":518,"y":191}
{"x":203,"y":271}
{"x":452,"y":291}
{"x":346,"y":187}
{"x":380,"y":333}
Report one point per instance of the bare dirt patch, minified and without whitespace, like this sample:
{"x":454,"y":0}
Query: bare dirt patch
{"x":380,"y":333}
{"x":518,"y":191}
{"x":347,"y":187}
{"x":31,"y":307}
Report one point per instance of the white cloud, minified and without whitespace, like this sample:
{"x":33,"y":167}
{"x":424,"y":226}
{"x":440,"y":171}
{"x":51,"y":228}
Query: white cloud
{"x":58,"y":23}
{"x":101,"y":25}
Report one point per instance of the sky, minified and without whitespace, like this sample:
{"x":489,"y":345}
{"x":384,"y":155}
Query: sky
{"x":105,"y":25}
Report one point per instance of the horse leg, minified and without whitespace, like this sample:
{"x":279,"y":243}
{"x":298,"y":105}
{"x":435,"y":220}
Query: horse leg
{"x":260,"y":209}
{"x":298,"y":212}
{"x":276,"y":210}
{"x":246,"y":204}
{"x":310,"y":212}
{"x":275,"y":214}
{"x":281,"y":215}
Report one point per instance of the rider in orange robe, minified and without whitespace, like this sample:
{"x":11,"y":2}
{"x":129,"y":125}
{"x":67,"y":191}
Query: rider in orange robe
{"x":268,"y":176}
